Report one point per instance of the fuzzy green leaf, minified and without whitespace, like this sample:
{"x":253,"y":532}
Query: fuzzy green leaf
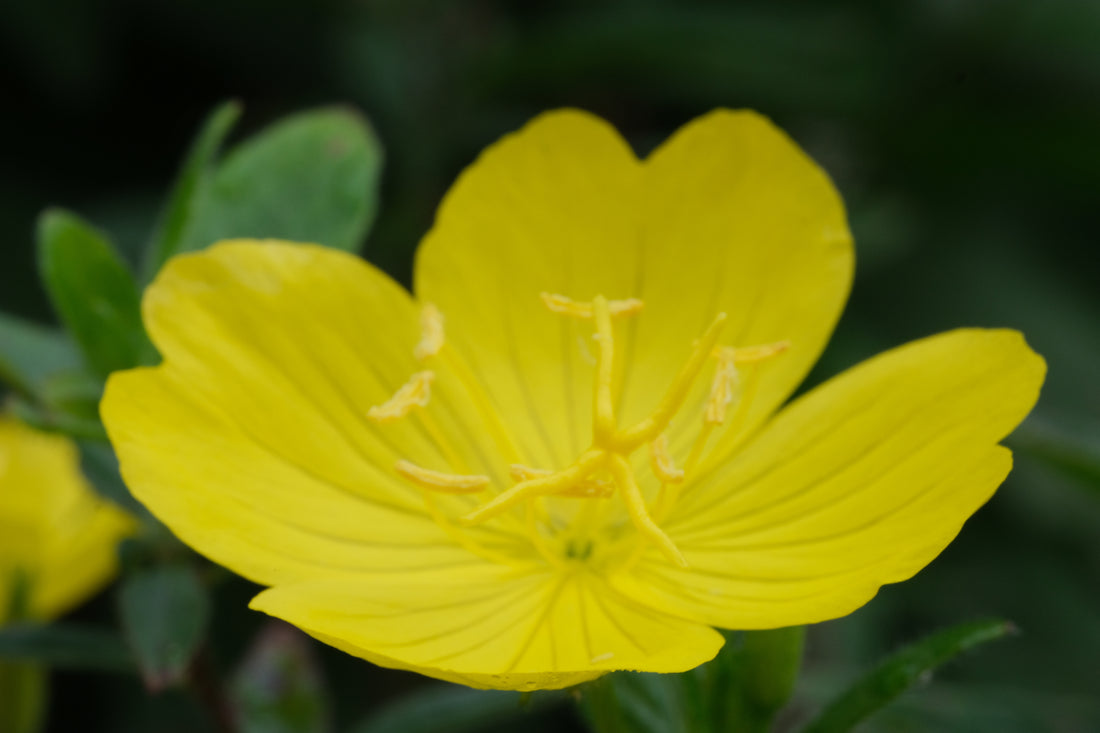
{"x":312,"y":177}
{"x":180,"y":208}
{"x":93,"y":292}
{"x":164,"y":617}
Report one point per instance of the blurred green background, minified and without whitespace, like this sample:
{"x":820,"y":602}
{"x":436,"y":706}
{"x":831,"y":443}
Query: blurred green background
{"x":963,"y":135}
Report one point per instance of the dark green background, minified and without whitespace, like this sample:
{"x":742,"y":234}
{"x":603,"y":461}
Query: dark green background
{"x":963,"y":135}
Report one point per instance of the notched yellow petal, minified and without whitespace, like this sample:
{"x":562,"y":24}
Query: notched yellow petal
{"x":431,"y":332}
{"x":578,"y":309}
{"x":414,"y":393}
{"x":447,"y":483}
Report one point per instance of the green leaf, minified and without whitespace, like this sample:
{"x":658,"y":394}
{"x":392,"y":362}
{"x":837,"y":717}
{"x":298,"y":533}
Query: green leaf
{"x":164,"y":614}
{"x":30,"y":353}
{"x":100,"y":466}
{"x":48,"y":420}
{"x":764,"y":667}
{"x":902,"y":670}
{"x":1075,"y":453}
{"x":458,"y":709}
{"x":64,"y":646}
{"x":278,"y":688}
{"x":740,"y":689}
{"x":625,"y":702}
{"x":179,"y":210}
{"x":312,"y":177}
{"x":93,"y":292}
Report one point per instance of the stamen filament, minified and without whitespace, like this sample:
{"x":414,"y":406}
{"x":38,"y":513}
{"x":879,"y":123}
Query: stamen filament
{"x":414,"y":393}
{"x":639,"y":515}
{"x":605,"y":424}
{"x":540,"y":486}
{"x":649,"y":428}
{"x":447,"y":483}
{"x":431,"y":332}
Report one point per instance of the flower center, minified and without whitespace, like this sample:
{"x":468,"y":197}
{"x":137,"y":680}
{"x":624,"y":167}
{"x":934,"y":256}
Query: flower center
{"x":605,"y":467}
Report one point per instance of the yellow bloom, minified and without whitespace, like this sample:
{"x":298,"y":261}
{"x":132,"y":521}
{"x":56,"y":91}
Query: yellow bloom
{"x":567,"y":454}
{"x":54,"y":531}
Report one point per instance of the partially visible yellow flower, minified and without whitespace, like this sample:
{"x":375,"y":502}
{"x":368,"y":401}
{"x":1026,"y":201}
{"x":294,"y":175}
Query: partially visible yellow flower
{"x":54,"y":531}
{"x":568,"y":454}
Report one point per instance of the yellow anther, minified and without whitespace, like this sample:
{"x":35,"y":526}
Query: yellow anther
{"x":448,"y":483}
{"x":414,"y":393}
{"x":661,"y":462}
{"x":751,"y":354}
{"x":604,"y":408}
{"x":431,"y":332}
{"x":553,"y":483}
{"x":652,"y":426}
{"x":725,"y":386}
{"x":636,"y":509}
{"x":579,"y":309}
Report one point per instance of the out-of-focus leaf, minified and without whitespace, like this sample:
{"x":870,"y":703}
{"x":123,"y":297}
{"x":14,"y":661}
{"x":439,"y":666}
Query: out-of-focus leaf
{"x":1073,"y":455}
{"x":54,"y":421}
{"x":740,"y":689}
{"x":23,"y":695}
{"x":625,"y":702}
{"x":93,"y":292}
{"x":764,"y":667}
{"x":179,"y":209}
{"x":164,"y":614}
{"x":100,"y":466}
{"x":457,"y":709}
{"x":312,"y":177}
{"x":902,"y":670}
{"x":65,"y":646}
{"x":30,"y":353}
{"x":278,"y":688}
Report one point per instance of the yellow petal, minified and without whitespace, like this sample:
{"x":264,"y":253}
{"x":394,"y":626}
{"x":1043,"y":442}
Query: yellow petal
{"x":737,"y":219}
{"x":252,"y":442}
{"x":552,"y":208}
{"x":53,"y":527}
{"x":861,"y":482}
{"x":493,"y":629}
{"x":728,"y":215}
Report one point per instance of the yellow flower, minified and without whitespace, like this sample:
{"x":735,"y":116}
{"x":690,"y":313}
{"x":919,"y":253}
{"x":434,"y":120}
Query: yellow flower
{"x":568,"y":453}
{"x":56,"y":535}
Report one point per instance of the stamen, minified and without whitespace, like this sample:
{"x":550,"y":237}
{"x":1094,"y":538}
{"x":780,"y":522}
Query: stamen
{"x":584,"y":489}
{"x":539,"y":486}
{"x":605,"y":423}
{"x":431,"y":332}
{"x":636,"y":508}
{"x":661,"y":462}
{"x":579,"y":309}
{"x":725,"y":386}
{"x":652,"y":426}
{"x":750,"y":354}
{"x":414,"y":393}
{"x":447,"y":483}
